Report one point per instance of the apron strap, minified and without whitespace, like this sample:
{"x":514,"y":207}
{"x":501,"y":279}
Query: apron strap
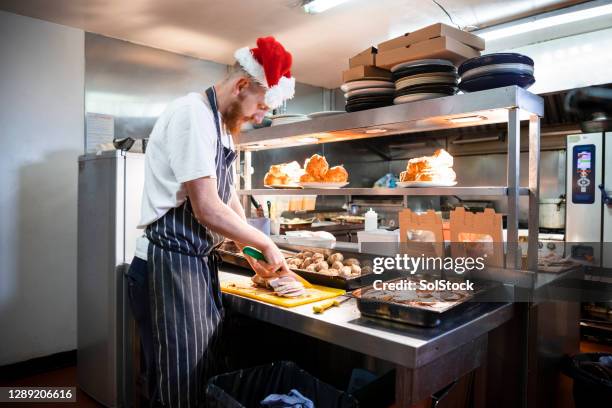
{"x":212,"y":100}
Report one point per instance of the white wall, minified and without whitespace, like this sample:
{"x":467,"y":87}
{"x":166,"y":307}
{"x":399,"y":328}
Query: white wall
{"x":41,"y":136}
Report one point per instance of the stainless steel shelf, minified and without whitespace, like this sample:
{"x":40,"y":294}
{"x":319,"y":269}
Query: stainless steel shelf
{"x":509,"y":105}
{"x":414,"y":191}
{"x":485,"y":107}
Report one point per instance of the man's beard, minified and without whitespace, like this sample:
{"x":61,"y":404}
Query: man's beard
{"x":233,"y":116}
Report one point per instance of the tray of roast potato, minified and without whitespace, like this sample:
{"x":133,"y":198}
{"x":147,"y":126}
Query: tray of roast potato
{"x":336,"y":269}
{"x":326,"y":267}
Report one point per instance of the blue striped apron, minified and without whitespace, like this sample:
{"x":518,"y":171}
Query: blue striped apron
{"x":186,"y":304}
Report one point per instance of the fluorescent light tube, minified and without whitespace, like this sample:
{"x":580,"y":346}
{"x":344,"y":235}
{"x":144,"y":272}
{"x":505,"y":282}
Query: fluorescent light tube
{"x":545,"y":22}
{"x":319,"y":6}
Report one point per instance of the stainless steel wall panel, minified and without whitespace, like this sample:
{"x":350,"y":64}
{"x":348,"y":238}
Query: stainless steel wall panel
{"x":134,"y":83}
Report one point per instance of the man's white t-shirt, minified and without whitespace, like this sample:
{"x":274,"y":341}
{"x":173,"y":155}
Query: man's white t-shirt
{"x":182,"y":147}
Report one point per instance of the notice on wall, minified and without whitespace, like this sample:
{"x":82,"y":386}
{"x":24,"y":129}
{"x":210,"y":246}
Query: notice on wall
{"x":100,"y":131}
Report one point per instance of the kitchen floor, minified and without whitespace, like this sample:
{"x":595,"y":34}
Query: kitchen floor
{"x":67,"y":377}
{"x":64,"y":377}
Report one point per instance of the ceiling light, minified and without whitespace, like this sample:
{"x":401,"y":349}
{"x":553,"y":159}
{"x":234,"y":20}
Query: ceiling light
{"x":319,"y":6}
{"x":375,"y":131}
{"x":467,"y":119}
{"x":541,"y":22}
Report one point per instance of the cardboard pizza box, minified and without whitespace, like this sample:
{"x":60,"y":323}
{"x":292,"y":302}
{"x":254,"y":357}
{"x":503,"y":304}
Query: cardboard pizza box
{"x":434,"y":31}
{"x":437,"y":48}
{"x":365,"y":71}
{"x":365,"y":57}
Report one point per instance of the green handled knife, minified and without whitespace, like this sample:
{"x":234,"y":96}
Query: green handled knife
{"x":257,"y":254}
{"x":254,"y":253}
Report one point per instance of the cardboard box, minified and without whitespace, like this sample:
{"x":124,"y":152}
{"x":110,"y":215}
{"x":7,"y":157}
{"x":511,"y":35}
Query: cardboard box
{"x":366,"y":57}
{"x":365,"y":71}
{"x":437,"y":48}
{"x":434,"y":31}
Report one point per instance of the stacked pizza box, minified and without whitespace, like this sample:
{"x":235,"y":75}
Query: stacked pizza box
{"x":414,"y":66}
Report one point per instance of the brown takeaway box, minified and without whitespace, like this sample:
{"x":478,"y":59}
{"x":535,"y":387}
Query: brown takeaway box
{"x":366,"y":57}
{"x":433,"y":31}
{"x":441,"y":47}
{"x":365,"y":71}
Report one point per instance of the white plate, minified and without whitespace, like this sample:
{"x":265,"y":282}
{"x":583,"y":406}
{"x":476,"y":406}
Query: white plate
{"x":415,"y":97}
{"x":434,"y":79}
{"x":311,"y":242}
{"x":419,"y":63}
{"x":370,"y":91}
{"x":321,"y":114}
{"x":497,"y":68}
{"x":425,"y":184}
{"x":320,"y":184}
{"x":284,"y":186}
{"x":351,"y":86}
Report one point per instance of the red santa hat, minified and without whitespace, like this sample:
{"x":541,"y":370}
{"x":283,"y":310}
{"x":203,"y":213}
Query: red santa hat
{"x":270,"y":64}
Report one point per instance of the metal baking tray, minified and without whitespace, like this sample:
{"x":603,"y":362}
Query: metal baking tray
{"x":419,"y":314}
{"x":316,"y":278}
{"x":339,"y":282}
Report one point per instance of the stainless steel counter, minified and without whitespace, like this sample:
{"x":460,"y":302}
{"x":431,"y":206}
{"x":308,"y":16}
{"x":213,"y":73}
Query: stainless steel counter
{"x":406,"y":346}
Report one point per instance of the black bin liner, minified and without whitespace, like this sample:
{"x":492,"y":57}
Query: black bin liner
{"x":248,"y":387}
{"x":592,"y":381}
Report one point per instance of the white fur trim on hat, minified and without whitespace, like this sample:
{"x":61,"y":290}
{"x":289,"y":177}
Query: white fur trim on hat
{"x":285,"y":89}
{"x":249,"y":63}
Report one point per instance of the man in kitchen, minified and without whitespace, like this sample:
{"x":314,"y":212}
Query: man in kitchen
{"x":189,"y":204}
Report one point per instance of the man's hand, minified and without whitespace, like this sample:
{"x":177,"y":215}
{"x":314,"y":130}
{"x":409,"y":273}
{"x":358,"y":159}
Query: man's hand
{"x":276,"y":265}
{"x":275,"y":260}
{"x":260,"y":268}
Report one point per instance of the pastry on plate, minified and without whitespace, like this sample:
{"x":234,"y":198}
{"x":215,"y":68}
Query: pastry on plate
{"x":336,"y":174}
{"x":283,"y":174}
{"x":318,"y":170}
{"x":307,"y":178}
{"x":271,"y":180}
{"x":316,"y":166}
{"x":437,"y":168}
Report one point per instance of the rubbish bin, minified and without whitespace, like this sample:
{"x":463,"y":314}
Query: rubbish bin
{"x":248,"y":387}
{"x":592,"y":379}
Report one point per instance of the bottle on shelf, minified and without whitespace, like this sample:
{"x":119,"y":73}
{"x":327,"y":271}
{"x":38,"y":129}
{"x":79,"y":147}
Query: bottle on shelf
{"x":371,"y":220}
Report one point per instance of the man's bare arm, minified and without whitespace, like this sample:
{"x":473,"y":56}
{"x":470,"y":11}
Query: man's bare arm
{"x":236,"y":205}
{"x":213,"y":213}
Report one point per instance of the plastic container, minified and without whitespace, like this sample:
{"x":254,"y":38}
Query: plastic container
{"x":248,"y":387}
{"x":592,"y":380}
{"x":371,"y":220}
{"x":379,"y":235}
{"x":262,"y":224}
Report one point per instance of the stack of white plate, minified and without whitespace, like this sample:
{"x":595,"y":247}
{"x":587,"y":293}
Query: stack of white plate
{"x":424,"y":79}
{"x":365,"y":94}
{"x":287,"y":118}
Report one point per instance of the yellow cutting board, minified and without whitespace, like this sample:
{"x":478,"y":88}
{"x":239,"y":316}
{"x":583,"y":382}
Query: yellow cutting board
{"x":244,"y":287}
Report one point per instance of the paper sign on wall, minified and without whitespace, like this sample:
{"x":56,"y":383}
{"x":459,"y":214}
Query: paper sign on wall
{"x":100,"y":130}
